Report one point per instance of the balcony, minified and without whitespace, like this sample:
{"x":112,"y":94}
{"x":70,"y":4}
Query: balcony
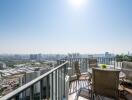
{"x":54,"y":85}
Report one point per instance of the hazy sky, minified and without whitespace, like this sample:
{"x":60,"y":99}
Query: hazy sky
{"x":61,"y":26}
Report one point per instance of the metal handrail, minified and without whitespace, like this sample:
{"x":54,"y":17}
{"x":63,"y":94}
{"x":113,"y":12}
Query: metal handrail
{"x":28,"y":85}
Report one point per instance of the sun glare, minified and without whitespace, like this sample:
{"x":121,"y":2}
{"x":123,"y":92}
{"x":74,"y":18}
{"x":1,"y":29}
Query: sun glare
{"x":77,"y":4}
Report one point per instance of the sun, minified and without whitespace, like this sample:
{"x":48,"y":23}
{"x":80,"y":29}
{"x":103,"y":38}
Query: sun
{"x":77,"y":4}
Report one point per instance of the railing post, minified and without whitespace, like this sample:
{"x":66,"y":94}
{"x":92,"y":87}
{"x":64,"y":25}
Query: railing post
{"x":52,"y":87}
{"x":16,"y":97}
{"x":58,"y":93}
{"x":56,"y":85}
{"x":32,"y":92}
{"x":41,"y":90}
{"x":61,"y":89}
{"x":47,"y":88}
{"x":64,"y":78}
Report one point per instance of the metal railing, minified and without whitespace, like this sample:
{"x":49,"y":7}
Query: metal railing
{"x":84,"y":63}
{"x":52,"y":85}
{"x":54,"y":89}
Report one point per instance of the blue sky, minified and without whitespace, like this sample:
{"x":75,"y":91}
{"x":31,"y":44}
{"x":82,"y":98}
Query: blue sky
{"x":56,"y":26}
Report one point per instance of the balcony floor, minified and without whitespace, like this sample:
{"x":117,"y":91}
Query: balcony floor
{"x":74,"y":87}
{"x":73,"y":92}
{"x":72,"y":97}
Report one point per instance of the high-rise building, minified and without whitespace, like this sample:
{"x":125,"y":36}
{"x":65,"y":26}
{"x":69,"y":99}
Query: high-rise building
{"x":107,"y":54}
{"x":2,"y":65}
{"x":35,"y":57}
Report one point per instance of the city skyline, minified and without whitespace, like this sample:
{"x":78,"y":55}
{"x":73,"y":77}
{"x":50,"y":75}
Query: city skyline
{"x":61,"y":26}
